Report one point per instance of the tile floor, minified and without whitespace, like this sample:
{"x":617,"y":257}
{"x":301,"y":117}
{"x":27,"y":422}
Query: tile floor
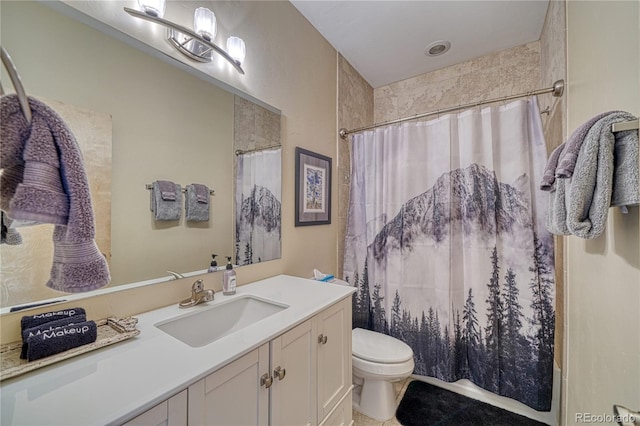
{"x":362,"y":420}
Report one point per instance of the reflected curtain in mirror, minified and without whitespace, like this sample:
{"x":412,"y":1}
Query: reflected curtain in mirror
{"x":258,"y":206}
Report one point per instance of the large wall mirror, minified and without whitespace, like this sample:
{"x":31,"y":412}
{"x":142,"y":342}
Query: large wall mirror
{"x":139,"y":119}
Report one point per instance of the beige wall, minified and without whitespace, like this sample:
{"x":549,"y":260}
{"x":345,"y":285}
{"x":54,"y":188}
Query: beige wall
{"x":602,"y":337}
{"x":553,"y":46}
{"x":508,"y":72}
{"x":292,"y":67}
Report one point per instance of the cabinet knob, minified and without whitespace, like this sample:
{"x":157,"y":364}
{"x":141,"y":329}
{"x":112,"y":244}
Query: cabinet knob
{"x":279,"y":372}
{"x":322,"y":339}
{"x":266,"y":380}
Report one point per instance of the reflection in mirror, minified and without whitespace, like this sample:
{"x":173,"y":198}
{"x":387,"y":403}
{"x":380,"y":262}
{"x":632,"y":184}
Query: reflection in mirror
{"x":164,"y":124}
{"x":258,"y":183}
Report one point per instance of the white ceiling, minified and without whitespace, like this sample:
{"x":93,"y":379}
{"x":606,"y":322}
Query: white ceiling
{"x":385,"y":40}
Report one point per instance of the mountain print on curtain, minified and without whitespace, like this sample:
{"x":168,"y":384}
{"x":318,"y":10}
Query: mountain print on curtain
{"x":258,"y":208}
{"x":495,"y":337}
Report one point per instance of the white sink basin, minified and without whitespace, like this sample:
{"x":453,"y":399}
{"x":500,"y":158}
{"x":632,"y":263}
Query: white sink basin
{"x":208,"y":324}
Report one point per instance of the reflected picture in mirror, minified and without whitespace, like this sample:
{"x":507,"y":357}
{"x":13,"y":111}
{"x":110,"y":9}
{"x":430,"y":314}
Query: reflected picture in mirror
{"x":164,"y":124}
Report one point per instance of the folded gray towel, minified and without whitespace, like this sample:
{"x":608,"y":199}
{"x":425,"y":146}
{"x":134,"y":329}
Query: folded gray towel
{"x":51,"y":325}
{"x":569,"y":155}
{"x":196,"y":204}
{"x":61,"y":339}
{"x":31,"y":321}
{"x":549,"y":174}
{"x":167,"y":190}
{"x":166,"y":204}
{"x":605,"y":159}
{"x":10,"y":236}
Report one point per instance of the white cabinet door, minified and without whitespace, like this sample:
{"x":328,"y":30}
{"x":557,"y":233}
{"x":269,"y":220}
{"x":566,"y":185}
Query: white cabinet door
{"x":293,"y":367}
{"x":233,"y":395}
{"x":334,"y":355}
{"x":172,"y":412}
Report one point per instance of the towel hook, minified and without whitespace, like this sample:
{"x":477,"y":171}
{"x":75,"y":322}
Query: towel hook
{"x":17,"y":84}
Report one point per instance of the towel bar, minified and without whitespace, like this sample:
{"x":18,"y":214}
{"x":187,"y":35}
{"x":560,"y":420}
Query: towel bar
{"x":625,"y":125}
{"x":183,"y":190}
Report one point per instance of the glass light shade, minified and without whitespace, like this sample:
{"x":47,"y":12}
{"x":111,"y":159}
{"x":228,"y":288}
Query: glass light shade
{"x":204,"y":23}
{"x":153,"y":7}
{"x":236,"y":49}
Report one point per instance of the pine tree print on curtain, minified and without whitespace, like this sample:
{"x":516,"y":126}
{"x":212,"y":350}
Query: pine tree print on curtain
{"x":446,"y":245}
{"x":258,"y":209}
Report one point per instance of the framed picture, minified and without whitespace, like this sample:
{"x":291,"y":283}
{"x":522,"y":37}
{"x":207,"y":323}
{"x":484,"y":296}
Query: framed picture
{"x":313,"y":188}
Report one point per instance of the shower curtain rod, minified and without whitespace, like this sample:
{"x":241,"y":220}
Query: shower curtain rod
{"x":556,"y":90}
{"x":246,"y":151}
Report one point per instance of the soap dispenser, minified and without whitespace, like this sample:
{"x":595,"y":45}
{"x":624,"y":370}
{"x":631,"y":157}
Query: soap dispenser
{"x":214,"y":264}
{"x":229,"y":279}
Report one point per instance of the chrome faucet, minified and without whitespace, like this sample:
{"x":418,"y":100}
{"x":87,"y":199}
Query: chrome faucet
{"x":198,"y":295}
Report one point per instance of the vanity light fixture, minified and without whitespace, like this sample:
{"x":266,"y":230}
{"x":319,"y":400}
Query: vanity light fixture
{"x":196,"y":44}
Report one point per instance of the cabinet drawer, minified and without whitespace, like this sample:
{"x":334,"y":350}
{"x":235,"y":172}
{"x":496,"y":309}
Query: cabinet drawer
{"x":342,"y":413}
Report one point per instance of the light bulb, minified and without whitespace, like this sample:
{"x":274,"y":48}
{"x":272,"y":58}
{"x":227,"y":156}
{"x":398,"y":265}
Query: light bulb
{"x":204,"y":23}
{"x":153,"y":7}
{"x":236,"y":49}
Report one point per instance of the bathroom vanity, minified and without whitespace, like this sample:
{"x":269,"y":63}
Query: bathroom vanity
{"x":289,"y":365}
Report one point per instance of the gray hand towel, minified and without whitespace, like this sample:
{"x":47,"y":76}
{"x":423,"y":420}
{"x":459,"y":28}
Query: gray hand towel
{"x":196,"y":204}
{"x":166,"y":204}
{"x":52,"y":325}
{"x":44,"y":180}
{"x":569,"y":155}
{"x":605,"y":160}
{"x":61,"y":339}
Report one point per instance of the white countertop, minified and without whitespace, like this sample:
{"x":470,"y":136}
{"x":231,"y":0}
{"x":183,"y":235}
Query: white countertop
{"x":116,"y":383}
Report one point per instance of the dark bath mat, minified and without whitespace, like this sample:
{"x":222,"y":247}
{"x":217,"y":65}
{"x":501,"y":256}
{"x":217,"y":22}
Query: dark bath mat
{"x":427,"y":405}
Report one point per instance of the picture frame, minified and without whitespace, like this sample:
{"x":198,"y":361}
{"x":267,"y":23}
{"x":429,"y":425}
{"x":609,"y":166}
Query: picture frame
{"x":313,"y":188}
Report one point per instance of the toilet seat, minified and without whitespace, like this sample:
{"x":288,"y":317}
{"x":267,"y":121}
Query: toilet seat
{"x":392,"y":372}
{"x":379,"y":348}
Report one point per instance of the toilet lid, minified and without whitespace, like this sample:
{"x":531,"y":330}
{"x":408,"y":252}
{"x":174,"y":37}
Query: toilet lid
{"x":378,"y":347}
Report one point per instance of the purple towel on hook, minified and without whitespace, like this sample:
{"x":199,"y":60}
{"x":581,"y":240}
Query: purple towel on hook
{"x":44,"y":180}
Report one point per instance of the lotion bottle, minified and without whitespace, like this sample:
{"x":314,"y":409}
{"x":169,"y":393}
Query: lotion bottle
{"x":229,"y":279}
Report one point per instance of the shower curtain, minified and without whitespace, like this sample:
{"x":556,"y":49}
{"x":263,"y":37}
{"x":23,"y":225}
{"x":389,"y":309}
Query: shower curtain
{"x":258,"y":208}
{"x":446,"y":245}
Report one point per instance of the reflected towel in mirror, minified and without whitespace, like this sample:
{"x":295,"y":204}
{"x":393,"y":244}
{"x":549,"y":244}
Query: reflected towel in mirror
{"x":196,"y":204}
{"x":166,"y":204}
{"x":53,"y":188}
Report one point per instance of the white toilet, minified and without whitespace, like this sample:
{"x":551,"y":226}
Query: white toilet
{"x":378,"y":361}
